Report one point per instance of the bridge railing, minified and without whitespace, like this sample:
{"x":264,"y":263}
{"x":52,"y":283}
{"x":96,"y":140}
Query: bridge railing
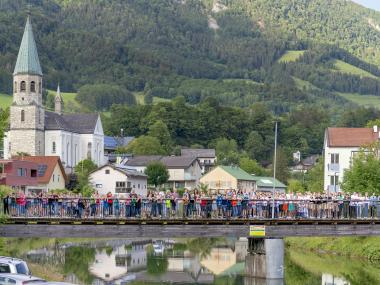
{"x":89,"y":208}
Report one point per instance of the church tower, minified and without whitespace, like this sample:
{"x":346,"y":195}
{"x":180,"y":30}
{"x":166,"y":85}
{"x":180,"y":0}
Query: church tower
{"x":27,"y":115}
{"x":58,"y":101}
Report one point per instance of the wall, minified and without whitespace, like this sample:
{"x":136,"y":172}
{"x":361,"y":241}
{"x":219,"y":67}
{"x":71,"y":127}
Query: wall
{"x":58,"y":181}
{"x":219,"y":179}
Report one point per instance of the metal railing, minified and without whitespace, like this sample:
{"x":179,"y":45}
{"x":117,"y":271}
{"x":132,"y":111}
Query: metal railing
{"x":90,"y":208}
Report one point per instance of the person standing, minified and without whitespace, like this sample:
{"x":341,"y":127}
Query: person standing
{"x":7,"y":203}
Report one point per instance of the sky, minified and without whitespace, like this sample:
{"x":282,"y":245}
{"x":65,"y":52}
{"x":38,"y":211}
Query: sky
{"x":374,"y":4}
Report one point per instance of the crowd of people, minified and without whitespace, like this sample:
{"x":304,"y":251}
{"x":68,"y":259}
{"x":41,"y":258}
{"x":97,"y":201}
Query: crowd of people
{"x":230,"y":204}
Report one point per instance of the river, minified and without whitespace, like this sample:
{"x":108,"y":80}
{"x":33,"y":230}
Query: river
{"x":181,"y":261}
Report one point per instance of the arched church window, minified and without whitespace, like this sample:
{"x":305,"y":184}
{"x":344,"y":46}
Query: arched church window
{"x":22,"y":86}
{"x":89,"y":150}
{"x":32,"y":86}
{"x":39,"y":88}
{"x":53,"y":147}
{"x":22,"y":115}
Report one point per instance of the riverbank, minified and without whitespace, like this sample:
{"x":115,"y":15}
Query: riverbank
{"x":359,"y":247}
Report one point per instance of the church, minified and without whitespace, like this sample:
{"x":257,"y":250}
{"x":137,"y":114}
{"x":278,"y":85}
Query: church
{"x":39,"y":132}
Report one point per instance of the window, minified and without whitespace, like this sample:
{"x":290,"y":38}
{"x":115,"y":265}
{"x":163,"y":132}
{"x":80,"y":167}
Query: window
{"x":99,"y":185}
{"x":58,"y":176}
{"x":22,"y":116}
{"x":129,"y":184}
{"x":21,"y":268}
{"x":53,"y":177}
{"x":138,"y":186}
{"x":120,"y":184}
{"x":4,"y":268}
{"x":89,"y":150}
{"x":334,"y":180}
{"x":22,"y":86}
{"x":53,"y":147}
{"x":107,"y":171}
{"x":21,"y":172}
{"x":335,"y":158}
{"x":33,"y":172}
{"x":32,"y":86}
{"x":39,"y":147}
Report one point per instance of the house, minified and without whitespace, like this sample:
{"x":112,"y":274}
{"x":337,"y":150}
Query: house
{"x":206,"y":157}
{"x":118,"y":179}
{"x":306,"y":164}
{"x":340,"y":147}
{"x":51,"y":174}
{"x":112,"y":143}
{"x":184,"y":171}
{"x":18,"y":174}
{"x":228,"y":177}
{"x":37,"y":131}
{"x":265,"y":184}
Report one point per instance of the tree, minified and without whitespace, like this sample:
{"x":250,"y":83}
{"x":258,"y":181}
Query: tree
{"x":251,"y":166}
{"x":227,"y":151}
{"x":157,"y":173}
{"x":314,"y":178}
{"x":160,"y":131}
{"x":254,"y":145}
{"x":364,"y":175}
{"x":282,"y":167}
{"x":145,"y":145}
{"x":83,"y":170}
{"x":295,"y":186}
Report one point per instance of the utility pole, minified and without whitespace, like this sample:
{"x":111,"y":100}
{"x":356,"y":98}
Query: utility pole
{"x":274,"y":168}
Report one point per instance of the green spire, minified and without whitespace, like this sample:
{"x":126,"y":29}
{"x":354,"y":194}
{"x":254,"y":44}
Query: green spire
{"x":27,"y":59}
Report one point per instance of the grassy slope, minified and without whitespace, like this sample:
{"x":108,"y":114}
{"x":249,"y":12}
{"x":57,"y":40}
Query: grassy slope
{"x":5,"y":101}
{"x":364,"y":247}
{"x":344,"y":67}
{"x":362,"y":100}
{"x":291,"y":55}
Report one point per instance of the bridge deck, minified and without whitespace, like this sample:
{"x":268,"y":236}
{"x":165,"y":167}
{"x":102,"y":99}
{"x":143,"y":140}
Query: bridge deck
{"x":54,"y":227}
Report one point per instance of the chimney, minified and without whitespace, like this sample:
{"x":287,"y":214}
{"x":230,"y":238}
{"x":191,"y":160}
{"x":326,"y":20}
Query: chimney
{"x":375,"y":129}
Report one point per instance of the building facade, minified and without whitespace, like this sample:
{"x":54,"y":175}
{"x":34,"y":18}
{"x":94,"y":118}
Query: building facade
{"x":118,"y":180}
{"x":19,"y":174}
{"x":36,"y":131}
{"x":340,"y":147}
{"x":206,"y":157}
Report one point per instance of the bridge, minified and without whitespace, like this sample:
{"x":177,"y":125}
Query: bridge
{"x":172,"y":228}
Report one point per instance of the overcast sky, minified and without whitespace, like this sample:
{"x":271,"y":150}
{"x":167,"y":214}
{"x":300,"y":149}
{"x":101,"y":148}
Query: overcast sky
{"x":374,"y":4}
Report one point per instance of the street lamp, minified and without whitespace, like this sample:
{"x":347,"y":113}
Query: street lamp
{"x":274,"y":168}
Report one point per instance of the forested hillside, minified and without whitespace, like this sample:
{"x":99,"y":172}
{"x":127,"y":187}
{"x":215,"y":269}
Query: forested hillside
{"x":227,"y":49}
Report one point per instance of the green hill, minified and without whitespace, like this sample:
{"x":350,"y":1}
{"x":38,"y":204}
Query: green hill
{"x":199,"y":49}
{"x":5,"y":101}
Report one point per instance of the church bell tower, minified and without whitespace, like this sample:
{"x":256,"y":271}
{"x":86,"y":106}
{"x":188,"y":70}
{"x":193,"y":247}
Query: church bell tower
{"x":27,"y":115}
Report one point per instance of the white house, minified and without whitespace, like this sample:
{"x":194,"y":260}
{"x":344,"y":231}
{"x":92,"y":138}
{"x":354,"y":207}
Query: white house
{"x":38,"y":132}
{"x":340,"y":146}
{"x":184,"y":171}
{"x":206,"y":157}
{"x":118,"y":180}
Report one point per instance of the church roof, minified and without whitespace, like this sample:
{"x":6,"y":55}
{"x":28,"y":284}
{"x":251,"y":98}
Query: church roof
{"x":27,"y":59}
{"x":83,"y":123}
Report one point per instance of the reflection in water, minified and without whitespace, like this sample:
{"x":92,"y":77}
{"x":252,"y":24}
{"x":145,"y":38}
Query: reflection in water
{"x":184,"y":261}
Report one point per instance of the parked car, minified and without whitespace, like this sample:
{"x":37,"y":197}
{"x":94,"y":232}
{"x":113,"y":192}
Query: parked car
{"x":19,"y":279}
{"x":13,"y":265}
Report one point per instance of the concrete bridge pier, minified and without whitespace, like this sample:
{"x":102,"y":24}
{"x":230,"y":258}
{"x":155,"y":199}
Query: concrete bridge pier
{"x":265,"y":262}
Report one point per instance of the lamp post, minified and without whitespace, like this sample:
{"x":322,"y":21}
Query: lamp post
{"x":274,"y":168}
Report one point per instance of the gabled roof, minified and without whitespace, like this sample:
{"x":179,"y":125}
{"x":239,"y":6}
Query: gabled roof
{"x":263,"y":181}
{"x":168,"y":161}
{"x":46,"y":165}
{"x":27,"y":59}
{"x":123,"y":169}
{"x":178,"y":161}
{"x":351,"y":137}
{"x":83,"y":123}
{"x":198,"y":152}
{"x":142,"y":160}
{"x":237,"y":172}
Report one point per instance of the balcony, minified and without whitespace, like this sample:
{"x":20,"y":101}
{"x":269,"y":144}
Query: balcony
{"x":333,"y":167}
{"x":333,"y":188}
{"x":123,"y":190}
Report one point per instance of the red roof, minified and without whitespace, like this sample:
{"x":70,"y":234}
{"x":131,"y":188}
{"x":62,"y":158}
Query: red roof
{"x":50,"y":162}
{"x":351,"y":137}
